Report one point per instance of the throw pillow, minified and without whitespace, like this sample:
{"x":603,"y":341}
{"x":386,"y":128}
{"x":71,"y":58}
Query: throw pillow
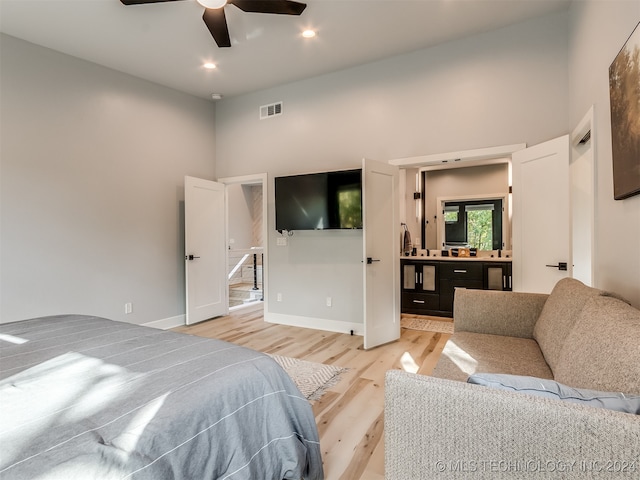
{"x":551,"y":389}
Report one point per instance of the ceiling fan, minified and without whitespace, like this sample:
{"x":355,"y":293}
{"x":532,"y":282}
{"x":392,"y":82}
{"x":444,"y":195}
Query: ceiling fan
{"x":216,"y":21}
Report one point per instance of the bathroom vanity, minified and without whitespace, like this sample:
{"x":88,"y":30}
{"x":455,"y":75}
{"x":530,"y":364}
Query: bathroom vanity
{"x":428,"y":283}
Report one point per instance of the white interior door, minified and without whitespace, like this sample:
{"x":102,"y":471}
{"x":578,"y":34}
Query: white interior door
{"x":205,"y":249}
{"x":381,"y":253}
{"x":541,"y":218}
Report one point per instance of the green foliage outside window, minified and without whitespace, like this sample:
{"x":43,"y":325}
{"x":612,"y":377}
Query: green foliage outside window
{"x":451,"y":217}
{"x":350,"y":208}
{"x":480,"y":229}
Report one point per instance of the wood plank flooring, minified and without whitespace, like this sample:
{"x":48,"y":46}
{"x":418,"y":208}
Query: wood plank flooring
{"x":350,"y":415}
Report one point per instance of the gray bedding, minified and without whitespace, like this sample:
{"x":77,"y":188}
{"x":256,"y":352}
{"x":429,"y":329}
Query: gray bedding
{"x":89,"y":398}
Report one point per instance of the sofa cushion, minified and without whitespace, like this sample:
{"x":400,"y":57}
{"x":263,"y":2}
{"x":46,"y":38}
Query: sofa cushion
{"x":543,"y":387}
{"x":558,"y":315}
{"x":466,"y":353}
{"x":602,"y":352}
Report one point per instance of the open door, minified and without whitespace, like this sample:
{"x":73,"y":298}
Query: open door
{"x":541,"y":216}
{"x":205,"y":249}
{"x":381,"y":253}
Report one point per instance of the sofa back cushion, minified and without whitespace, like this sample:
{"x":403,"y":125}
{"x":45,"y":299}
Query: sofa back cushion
{"x":558,"y":316}
{"x":602,"y":352}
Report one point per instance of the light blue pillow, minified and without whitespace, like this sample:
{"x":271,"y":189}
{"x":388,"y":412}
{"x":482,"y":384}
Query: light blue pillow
{"x":551,"y":389}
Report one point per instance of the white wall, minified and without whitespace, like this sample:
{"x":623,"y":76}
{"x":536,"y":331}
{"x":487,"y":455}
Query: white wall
{"x":240,"y":210}
{"x":503,"y":87}
{"x":92,"y":171}
{"x":599,"y":29}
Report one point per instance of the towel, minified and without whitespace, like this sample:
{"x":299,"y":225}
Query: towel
{"x":407,"y":241}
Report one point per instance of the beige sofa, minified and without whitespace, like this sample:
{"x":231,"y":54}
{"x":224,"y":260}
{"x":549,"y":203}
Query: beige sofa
{"x":441,"y":427}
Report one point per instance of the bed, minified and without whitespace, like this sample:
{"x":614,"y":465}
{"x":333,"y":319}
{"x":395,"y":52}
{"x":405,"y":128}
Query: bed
{"x":84,"y":397}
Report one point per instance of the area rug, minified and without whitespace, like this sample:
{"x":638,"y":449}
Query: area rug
{"x":413,"y":323}
{"x":311,"y":378}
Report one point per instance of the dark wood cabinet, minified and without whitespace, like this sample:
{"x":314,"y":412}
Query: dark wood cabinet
{"x":420,"y":292}
{"x":428,"y":286}
{"x":458,"y":274}
{"x":497,"y":276}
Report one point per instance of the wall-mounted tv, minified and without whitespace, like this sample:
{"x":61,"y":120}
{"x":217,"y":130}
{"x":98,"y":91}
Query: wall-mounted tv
{"x":319,"y":201}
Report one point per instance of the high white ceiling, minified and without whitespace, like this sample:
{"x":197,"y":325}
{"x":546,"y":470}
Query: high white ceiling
{"x":167,"y":43}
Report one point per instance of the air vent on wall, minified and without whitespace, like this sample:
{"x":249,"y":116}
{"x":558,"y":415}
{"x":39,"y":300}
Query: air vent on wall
{"x":268,"y":111}
{"x":586,"y":138}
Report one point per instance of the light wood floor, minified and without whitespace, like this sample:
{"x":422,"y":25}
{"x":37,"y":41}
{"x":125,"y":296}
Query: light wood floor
{"x":350,"y":415}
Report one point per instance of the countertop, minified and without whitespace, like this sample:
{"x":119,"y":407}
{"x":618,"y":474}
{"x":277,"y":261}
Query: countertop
{"x":440,"y":258}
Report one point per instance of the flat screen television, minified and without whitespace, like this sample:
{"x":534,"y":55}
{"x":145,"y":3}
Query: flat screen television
{"x":319,"y":201}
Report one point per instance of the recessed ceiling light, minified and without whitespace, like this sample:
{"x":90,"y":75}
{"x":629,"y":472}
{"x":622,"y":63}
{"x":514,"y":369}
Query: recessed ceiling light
{"x":216,"y":96}
{"x":309,"y":33}
{"x":209,"y":65}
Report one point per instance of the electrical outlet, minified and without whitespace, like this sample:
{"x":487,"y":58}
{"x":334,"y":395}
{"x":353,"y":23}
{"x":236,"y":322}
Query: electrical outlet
{"x":282,"y":241}
{"x":328,"y":301}
{"x":279,"y":297}
{"x":128,"y":308}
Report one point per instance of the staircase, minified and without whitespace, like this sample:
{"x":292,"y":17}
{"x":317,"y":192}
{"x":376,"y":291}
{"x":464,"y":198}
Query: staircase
{"x":243,"y":293}
{"x":245,"y":286}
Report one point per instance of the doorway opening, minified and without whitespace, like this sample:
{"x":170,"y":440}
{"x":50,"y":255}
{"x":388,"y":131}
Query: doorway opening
{"x":245,"y":241}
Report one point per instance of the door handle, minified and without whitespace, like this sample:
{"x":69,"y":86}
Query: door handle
{"x":371,"y":260}
{"x":559,"y":266}
{"x":190,"y":257}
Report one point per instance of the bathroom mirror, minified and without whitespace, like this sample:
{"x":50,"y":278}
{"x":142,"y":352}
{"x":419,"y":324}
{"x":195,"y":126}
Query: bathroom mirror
{"x":472,"y":222}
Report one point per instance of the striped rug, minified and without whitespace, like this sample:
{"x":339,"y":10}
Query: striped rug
{"x":311,"y":378}
{"x":413,"y":323}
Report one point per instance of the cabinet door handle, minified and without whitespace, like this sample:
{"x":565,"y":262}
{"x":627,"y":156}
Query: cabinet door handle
{"x":417,"y":282}
{"x":420,"y":278}
{"x":459,"y":271}
{"x":418,"y":301}
{"x":504,"y":281}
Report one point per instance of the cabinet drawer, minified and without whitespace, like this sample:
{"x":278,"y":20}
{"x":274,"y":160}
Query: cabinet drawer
{"x":447,"y":291}
{"x":415,"y":302}
{"x":461,"y":270}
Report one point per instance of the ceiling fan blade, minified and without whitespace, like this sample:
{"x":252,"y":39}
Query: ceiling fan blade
{"x":216,"y":22}
{"x":142,"y":2}
{"x":283,"y":7}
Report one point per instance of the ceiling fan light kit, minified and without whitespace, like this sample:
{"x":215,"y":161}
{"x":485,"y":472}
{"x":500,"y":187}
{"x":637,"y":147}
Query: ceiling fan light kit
{"x":216,"y":21}
{"x":212,"y":3}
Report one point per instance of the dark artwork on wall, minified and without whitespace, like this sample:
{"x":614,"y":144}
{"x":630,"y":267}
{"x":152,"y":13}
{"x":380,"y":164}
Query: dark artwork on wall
{"x":624,"y":93}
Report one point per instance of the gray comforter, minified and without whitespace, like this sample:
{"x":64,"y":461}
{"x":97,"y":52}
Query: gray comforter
{"x":89,"y":398}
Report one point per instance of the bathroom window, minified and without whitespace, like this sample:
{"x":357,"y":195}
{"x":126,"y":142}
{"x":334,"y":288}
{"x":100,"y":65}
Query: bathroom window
{"x":480,"y":226}
{"x":451,"y":214}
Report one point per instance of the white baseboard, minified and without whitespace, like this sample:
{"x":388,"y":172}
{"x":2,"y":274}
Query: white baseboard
{"x":166,"y":323}
{"x":315,"y":323}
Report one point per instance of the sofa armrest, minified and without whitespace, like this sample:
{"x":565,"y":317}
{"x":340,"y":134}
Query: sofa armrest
{"x":513,"y":314}
{"x":442,"y":429}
